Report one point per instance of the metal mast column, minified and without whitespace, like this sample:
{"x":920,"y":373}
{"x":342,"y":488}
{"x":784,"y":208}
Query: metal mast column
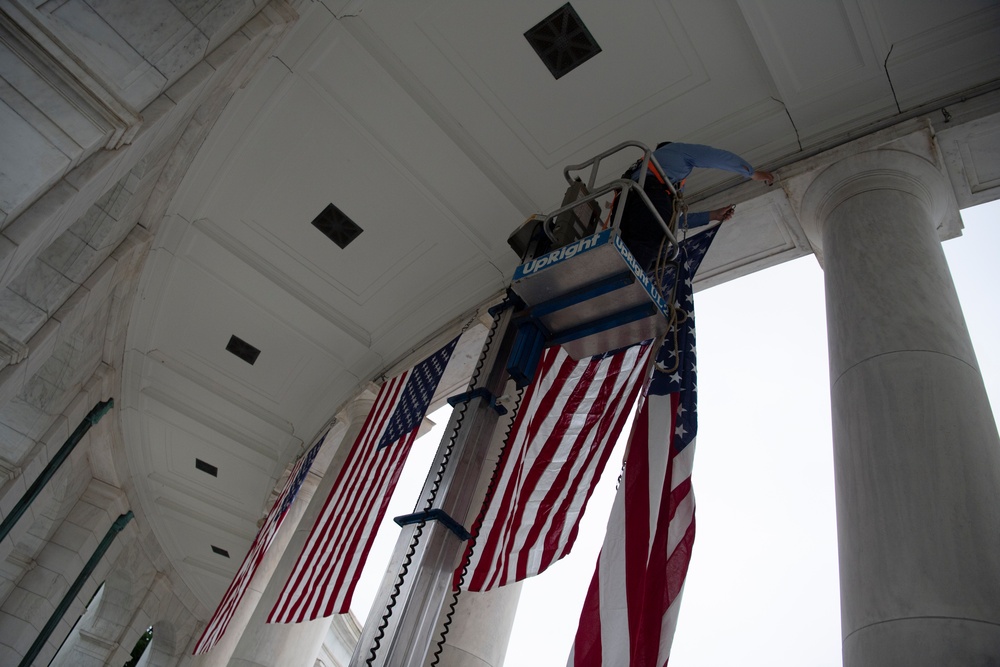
{"x":432,"y":541}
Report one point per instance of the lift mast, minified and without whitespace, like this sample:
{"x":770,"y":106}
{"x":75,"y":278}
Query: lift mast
{"x":577,"y":286}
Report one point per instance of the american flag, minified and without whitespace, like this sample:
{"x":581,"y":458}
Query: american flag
{"x":561,"y":439}
{"x":631,"y":608}
{"x":326,"y":572}
{"x":230,"y":601}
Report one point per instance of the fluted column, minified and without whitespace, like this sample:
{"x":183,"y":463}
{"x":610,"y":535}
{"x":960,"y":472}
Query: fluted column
{"x":916,"y":452}
{"x":295,"y":644}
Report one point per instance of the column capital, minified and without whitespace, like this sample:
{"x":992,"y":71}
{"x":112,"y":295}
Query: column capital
{"x":358,"y":409}
{"x":874,"y":170}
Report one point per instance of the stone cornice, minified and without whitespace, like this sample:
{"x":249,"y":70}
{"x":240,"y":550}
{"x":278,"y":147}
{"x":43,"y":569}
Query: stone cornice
{"x":25,"y":35}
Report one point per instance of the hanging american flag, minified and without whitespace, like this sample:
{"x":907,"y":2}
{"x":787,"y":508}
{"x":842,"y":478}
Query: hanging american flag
{"x":326,"y":572}
{"x":630,"y":611}
{"x":230,"y":601}
{"x":562,"y":436}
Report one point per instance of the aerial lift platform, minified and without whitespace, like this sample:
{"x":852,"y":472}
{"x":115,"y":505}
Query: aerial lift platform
{"x":578,"y":286}
{"x":579,"y":283}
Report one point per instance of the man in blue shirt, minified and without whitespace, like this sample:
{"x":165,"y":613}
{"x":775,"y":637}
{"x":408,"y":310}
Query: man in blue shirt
{"x":640,"y":231}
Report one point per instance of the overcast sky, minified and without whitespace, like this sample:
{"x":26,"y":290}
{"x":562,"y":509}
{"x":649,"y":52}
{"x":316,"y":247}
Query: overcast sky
{"x":762,"y":588}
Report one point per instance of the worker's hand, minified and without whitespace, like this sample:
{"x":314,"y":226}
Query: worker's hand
{"x":721,"y":214}
{"x":765,"y":176}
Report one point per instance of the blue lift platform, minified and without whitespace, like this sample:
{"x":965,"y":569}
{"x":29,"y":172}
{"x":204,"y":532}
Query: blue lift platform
{"x":578,"y":284}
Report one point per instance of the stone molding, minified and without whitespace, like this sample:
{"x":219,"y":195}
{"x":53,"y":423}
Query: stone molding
{"x":8,"y":471}
{"x":896,"y":159}
{"x":12,"y":351}
{"x":869,"y":171}
{"x":23,"y":33}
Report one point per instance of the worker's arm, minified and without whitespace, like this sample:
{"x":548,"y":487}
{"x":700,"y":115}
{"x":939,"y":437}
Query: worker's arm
{"x":699,"y":219}
{"x":702,"y":218}
{"x":708,"y":157}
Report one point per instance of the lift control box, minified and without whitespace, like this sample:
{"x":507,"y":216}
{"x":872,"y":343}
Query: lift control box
{"x":591,"y":296}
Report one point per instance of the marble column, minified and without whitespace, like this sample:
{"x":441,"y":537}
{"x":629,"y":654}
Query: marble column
{"x":265,"y":644}
{"x":221,"y":653}
{"x":916,"y":451}
{"x":481,"y":628}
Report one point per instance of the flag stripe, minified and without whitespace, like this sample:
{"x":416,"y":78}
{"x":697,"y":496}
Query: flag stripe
{"x":578,"y":491}
{"x":219,"y":622}
{"x":360,"y":543}
{"x":327,"y":547}
{"x":490,"y":549}
{"x":539,"y":422}
{"x":559,"y":443}
{"x":326,"y":572}
{"x":630,"y":613}
{"x":553,"y":449}
{"x":354,"y":507}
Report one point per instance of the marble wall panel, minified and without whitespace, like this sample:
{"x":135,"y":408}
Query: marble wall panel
{"x":190,"y":49}
{"x":220,"y":19}
{"x":19,"y":318}
{"x":42,"y":286}
{"x":155,"y":29}
{"x":100,"y":282}
{"x":12,"y":379}
{"x":13,"y":445}
{"x":42,"y":344}
{"x":45,"y":102}
{"x":30,"y":162}
{"x":33,"y":410}
{"x":68,"y":317}
{"x":6,"y":251}
{"x":24,"y":413}
{"x":71,"y":257}
{"x":118,"y":63}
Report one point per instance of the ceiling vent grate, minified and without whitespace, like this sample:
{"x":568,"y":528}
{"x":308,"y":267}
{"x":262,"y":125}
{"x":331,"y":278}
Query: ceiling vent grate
{"x":562,"y":41}
{"x":206,"y":467}
{"x":336,"y":226}
{"x":242,"y":349}
{"x":220,"y":551}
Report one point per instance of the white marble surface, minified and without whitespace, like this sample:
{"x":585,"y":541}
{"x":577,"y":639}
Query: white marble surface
{"x":18,"y":317}
{"x":70,"y":256}
{"x":30,"y":163}
{"x":42,"y":286}
{"x":916,"y":451}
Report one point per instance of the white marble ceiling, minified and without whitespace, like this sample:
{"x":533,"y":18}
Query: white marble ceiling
{"x":436,"y":128}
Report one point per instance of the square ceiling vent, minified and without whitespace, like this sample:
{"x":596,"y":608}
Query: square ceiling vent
{"x":562,"y":41}
{"x":242,"y":349}
{"x":336,"y":226}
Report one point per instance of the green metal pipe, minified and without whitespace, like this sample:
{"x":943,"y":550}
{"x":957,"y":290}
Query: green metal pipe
{"x":36,"y":487}
{"x":74,"y":590}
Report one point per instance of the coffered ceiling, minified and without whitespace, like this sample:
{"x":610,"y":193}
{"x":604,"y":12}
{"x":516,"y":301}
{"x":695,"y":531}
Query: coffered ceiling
{"x":436,"y":128}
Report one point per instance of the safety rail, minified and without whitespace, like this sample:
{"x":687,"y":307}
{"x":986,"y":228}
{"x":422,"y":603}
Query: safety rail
{"x":624,"y":186}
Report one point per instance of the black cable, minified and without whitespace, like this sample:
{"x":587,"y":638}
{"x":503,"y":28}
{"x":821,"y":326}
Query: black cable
{"x":885,"y":66}
{"x":791,"y":120}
